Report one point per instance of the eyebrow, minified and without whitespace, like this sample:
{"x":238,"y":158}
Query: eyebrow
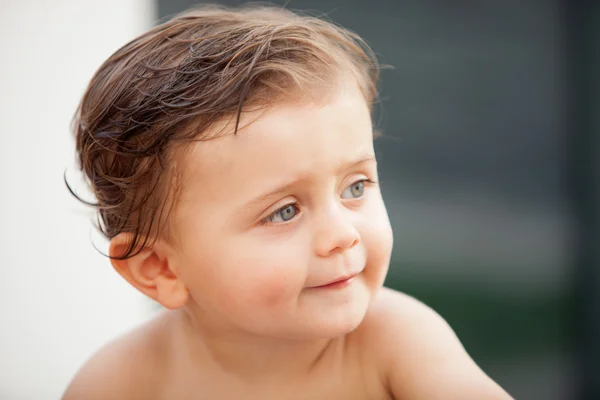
{"x":287,"y":186}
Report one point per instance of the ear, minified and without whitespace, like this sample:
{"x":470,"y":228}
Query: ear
{"x":149,"y":271}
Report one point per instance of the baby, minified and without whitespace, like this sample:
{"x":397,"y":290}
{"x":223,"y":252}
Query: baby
{"x":231,"y":154}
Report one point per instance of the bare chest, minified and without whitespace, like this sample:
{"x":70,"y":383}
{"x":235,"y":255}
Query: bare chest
{"x":346,"y":381}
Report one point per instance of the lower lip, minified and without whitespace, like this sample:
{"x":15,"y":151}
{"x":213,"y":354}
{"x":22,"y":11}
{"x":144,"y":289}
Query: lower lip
{"x":338,"y":284}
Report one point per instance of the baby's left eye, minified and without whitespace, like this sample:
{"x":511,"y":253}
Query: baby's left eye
{"x":354,"y":191}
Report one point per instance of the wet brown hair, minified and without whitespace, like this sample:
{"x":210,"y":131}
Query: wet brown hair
{"x":178,"y":80}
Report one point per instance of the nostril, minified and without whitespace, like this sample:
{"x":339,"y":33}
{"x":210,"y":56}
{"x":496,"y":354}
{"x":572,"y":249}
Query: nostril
{"x":352,"y":242}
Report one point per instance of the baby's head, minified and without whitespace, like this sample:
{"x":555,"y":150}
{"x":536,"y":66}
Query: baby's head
{"x":231,"y":155}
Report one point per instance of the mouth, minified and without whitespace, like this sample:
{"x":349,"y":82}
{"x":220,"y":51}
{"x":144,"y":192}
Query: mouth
{"x":338,"y":283}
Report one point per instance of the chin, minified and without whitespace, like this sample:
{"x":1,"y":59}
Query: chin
{"x":341,"y":321}
{"x":347,"y":325}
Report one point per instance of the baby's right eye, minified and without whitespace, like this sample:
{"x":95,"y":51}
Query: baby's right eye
{"x":283,"y":214}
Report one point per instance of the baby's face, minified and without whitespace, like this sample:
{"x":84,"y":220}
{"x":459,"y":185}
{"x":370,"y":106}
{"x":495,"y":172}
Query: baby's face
{"x":271,"y":216}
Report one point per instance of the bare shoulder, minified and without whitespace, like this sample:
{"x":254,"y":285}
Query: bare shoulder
{"x":126,"y":368}
{"x":419,"y":354}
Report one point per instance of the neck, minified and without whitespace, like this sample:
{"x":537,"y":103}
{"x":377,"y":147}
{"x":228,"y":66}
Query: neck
{"x":252,"y":358}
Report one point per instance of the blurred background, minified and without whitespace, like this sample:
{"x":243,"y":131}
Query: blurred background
{"x":489,"y":166}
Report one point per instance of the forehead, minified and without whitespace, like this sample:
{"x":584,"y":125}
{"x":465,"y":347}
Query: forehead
{"x":284,"y":141}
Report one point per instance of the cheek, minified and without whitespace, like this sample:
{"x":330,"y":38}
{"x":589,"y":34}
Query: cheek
{"x":275,"y":284}
{"x":378,"y":240}
{"x":259,"y":274}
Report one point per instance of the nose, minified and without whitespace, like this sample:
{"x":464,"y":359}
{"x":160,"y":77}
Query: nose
{"x":335,"y":231}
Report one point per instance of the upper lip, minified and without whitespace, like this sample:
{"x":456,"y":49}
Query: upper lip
{"x":344,"y":278}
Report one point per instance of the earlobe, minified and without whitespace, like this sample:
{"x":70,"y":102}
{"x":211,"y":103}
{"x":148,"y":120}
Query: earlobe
{"x":171,"y":293}
{"x":149,"y":271}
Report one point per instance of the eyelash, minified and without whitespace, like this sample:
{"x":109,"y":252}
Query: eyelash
{"x":265,"y":221}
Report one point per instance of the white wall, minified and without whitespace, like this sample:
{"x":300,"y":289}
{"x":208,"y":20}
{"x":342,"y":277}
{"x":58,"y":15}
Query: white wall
{"x":59,"y":299}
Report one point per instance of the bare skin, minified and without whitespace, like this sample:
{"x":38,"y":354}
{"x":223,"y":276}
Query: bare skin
{"x":378,"y":360}
{"x":274,"y":279}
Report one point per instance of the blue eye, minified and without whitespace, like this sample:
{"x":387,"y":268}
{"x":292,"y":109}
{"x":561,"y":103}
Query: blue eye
{"x":284,"y":214}
{"x":355,"y":191}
